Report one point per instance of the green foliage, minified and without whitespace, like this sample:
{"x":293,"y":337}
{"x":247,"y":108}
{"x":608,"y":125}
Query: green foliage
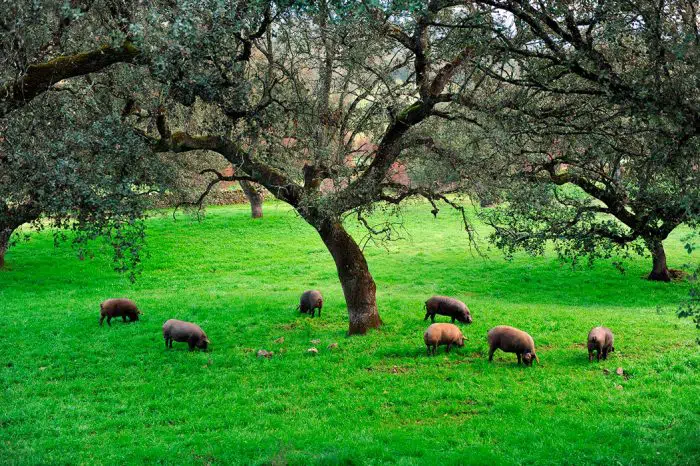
{"x":589,"y":98}
{"x":73,"y":392}
{"x":534,"y":214}
{"x":690,"y":307}
{"x":82,"y":171}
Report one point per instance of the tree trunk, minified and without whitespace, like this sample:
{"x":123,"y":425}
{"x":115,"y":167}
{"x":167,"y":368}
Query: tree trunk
{"x":255,"y":197}
{"x":659,"y":271}
{"x":358,"y":285}
{"x":5,"y":235}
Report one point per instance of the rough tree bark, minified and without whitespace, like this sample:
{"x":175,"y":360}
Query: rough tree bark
{"x":5,"y":235}
{"x":357,"y":282}
{"x":254,"y":196}
{"x":659,"y":271}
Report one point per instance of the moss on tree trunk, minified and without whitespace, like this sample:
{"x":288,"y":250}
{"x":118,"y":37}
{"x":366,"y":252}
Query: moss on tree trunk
{"x":255,"y":197}
{"x":5,"y":235}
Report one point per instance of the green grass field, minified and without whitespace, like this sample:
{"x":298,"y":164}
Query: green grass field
{"x":76,"y":393}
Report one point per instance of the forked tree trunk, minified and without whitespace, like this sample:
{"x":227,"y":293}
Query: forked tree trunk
{"x":358,"y":285}
{"x":255,"y":197}
{"x":5,"y":235}
{"x":659,"y":270}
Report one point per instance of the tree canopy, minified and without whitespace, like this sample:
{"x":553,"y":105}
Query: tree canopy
{"x":582,"y":118}
{"x":596,"y":126}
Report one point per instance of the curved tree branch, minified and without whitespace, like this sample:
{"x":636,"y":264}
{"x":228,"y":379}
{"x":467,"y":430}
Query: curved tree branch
{"x":258,"y":172}
{"x":39,"y":78}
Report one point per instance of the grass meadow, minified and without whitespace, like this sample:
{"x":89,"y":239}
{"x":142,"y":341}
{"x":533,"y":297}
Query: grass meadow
{"x":76,"y":393}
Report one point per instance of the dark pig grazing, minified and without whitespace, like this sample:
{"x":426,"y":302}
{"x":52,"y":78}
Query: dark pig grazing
{"x":601,"y":340}
{"x":447,"y":306}
{"x":310,"y":301}
{"x":442,"y":334}
{"x":512,"y":340}
{"x":118,"y":307}
{"x":179,"y":330}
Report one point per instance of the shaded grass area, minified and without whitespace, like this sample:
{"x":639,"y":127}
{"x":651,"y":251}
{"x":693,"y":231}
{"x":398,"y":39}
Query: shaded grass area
{"x":73,"y":392}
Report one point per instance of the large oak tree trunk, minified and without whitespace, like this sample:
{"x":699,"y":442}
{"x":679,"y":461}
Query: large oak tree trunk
{"x":358,"y":285}
{"x":659,"y":271}
{"x":255,"y":197}
{"x":5,"y":235}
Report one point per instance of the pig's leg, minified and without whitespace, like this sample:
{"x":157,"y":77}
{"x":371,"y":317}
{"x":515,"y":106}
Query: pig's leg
{"x":453,"y":320}
{"x":519,"y":358}
{"x":319,"y":311}
{"x":491,"y":351}
{"x":166,"y":342}
{"x":102,"y":318}
{"x":427,"y":314}
{"x":597,"y":354}
{"x":449,"y":347}
{"x":123,"y":317}
{"x":313,"y":312}
{"x":435,"y":348}
{"x":432,"y":317}
{"x":605,"y":354}
{"x":428,"y":348}
{"x":109,"y":320}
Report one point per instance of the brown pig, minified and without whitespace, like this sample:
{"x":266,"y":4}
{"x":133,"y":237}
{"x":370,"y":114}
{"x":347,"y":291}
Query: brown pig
{"x":601,"y":340}
{"x":447,"y":306}
{"x":512,"y":340}
{"x":310,"y":301}
{"x":118,"y":307}
{"x":442,"y":334}
{"x":179,"y":330}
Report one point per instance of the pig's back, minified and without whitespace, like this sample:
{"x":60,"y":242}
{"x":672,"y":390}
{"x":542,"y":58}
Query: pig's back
{"x":179,"y":330}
